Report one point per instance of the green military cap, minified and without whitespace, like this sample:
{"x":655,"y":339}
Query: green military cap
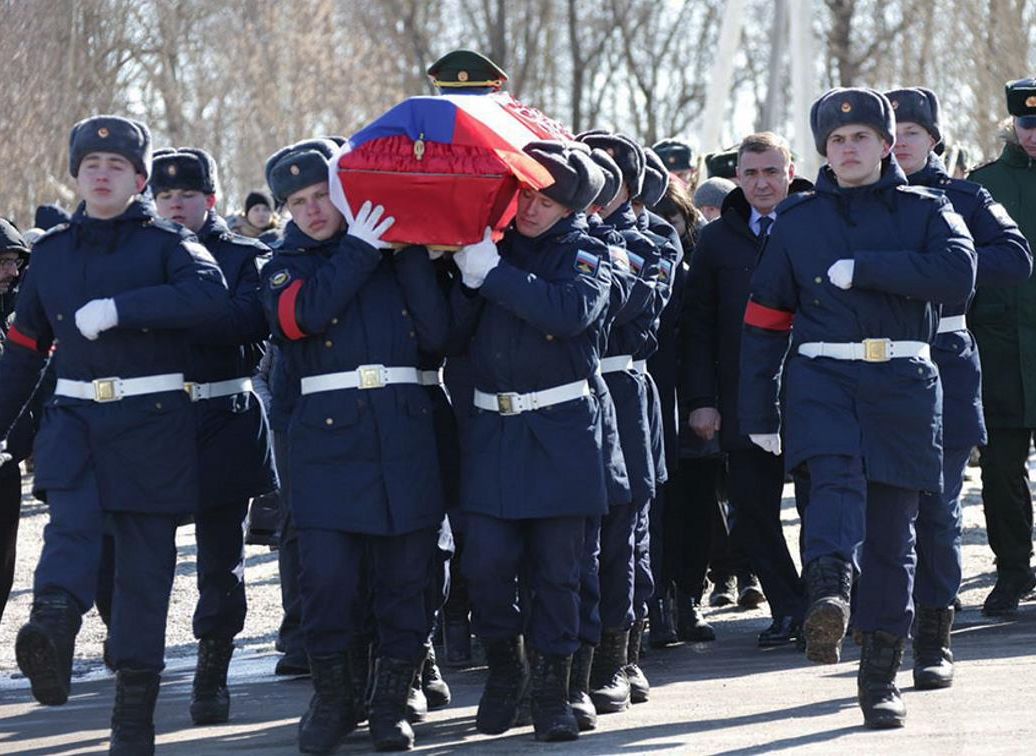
{"x":466,"y":69}
{"x":1021,"y":101}
{"x":722,"y":164}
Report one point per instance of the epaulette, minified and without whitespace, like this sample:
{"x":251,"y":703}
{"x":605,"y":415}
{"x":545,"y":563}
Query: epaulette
{"x":244,"y":241}
{"x":169,"y":226}
{"x":970,"y":188}
{"x":52,"y":231}
{"x":922,"y":191}
{"x":983,"y":165}
{"x":794,"y":200}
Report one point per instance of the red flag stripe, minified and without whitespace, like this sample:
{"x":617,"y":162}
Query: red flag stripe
{"x":767,"y":317}
{"x":17,"y":337}
{"x":286,"y":312}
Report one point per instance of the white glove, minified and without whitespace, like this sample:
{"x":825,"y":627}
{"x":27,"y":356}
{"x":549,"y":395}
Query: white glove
{"x":476,"y":260}
{"x":95,"y":316}
{"x":841,"y":273}
{"x":770,"y":442}
{"x":366,"y":228}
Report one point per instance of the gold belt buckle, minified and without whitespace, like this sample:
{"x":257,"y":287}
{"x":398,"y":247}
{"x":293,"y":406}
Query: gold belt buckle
{"x":371,"y":376}
{"x":505,"y":404}
{"x":104,"y":390}
{"x":877,"y":350}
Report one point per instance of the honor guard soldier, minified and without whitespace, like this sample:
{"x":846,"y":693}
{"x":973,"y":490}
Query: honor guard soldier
{"x":532,"y":468}
{"x":112,"y":295}
{"x":351,"y":318}
{"x":678,"y":158}
{"x":861,"y":264}
{"x":1004,"y":260}
{"x":1002,"y":320}
{"x":232,"y":430}
{"x":625,"y":578}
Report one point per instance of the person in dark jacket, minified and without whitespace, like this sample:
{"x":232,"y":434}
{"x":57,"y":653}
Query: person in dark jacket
{"x":351,"y":319}
{"x":232,"y":430}
{"x":861,"y":265}
{"x":717,"y":290}
{"x":532,"y":470}
{"x":1004,"y":259}
{"x":118,"y":288}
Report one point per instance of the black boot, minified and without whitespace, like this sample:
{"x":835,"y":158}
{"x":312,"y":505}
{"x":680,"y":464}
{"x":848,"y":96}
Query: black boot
{"x":45,"y":646}
{"x":331,"y":714}
{"x":639,"y":687}
{"x":609,"y":686}
{"x":133,"y":717}
{"x":210,"y":699}
{"x":933,"y":660}
{"x":877,"y":693}
{"x":457,"y":640}
{"x":828,"y":582}
{"x":691,"y":626}
{"x":579,"y":688}
{"x":505,"y":686}
{"x":1011,"y":587}
{"x":552,"y":717}
{"x":662,"y":620}
{"x":360,"y":674}
{"x":436,"y":690}
{"x":393,"y":681}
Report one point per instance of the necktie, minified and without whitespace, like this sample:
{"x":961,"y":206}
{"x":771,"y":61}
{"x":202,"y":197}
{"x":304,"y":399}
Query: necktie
{"x":764,"y":225}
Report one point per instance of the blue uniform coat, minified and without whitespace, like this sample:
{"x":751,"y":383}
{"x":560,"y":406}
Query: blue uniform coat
{"x":536,"y":325}
{"x":911,"y":253}
{"x":143,"y":449}
{"x":362,"y":461}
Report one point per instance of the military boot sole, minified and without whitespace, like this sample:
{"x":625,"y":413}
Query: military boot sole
{"x":132,"y":748}
{"x":610,"y":702}
{"x":211,"y":710}
{"x":558,"y":733}
{"x":884,"y":720}
{"x":932,"y":679}
{"x":38,"y":660}
{"x":824,"y":629}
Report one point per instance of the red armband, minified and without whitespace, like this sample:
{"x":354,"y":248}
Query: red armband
{"x":768,"y":318}
{"x":286,"y":312}
{"x":17,"y":337}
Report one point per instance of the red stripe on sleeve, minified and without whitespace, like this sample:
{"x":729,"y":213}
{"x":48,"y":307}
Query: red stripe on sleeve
{"x":286,"y":312}
{"x":17,"y":337}
{"x":768,"y":318}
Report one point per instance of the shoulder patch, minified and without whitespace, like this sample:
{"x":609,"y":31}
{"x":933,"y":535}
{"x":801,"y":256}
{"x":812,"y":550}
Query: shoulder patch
{"x":665,"y":270}
{"x":280,"y":279}
{"x":587,"y":262}
{"x":619,"y":257}
{"x":636,"y":261}
{"x":793,"y":201}
{"x":199,"y":251}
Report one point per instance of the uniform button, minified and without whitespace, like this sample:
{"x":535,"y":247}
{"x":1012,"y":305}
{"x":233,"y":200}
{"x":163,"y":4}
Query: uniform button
{"x":920,"y":371}
{"x":158,"y":405}
{"x":816,"y":301}
{"x":412,"y":334}
{"x":550,"y":337}
{"x":818,"y":279}
{"x":329,"y":343}
{"x":329,"y":421}
{"x":334,"y":321}
{"x":405,"y":313}
{"x":60,"y":316}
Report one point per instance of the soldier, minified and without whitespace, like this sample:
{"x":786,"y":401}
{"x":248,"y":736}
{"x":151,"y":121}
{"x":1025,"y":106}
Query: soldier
{"x":232,"y":429}
{"x":678,"y":158}
{"x":351,"y":319}
{"x":532,"y":470}
{"x":117,"y":287}
{"x":860,"y":264}
{"x":718,"y":287}
{"x":1003,"y":260}
{"x":1001,"y":320}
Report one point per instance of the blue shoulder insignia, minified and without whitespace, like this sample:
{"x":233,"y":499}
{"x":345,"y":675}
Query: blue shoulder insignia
{"x":168,"y":226}
{"x":922,"y":191}
{"x":587,"y":262}
{"x":794,"y":200}
{"x":961,"y":186}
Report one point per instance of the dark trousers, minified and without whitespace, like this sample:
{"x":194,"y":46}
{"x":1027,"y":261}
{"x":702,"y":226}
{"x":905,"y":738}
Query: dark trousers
{"x":939,"y":526}
{"x":145,"y":559}
{"x":219,"y":533}
{"x":290,"y":633}
{"x":849,"y":515}
{"x":550,"y":552}
{"x":755,"y":485}
{"x":693,"y":518}
{"x":10,"y":513}
{"x":1006,"y":499}
{"x":643,"y":579}
{"x":458,"y":604}
{"x":590,"y":625}
{"x":619,"y":569}
{"x":334,"y":594}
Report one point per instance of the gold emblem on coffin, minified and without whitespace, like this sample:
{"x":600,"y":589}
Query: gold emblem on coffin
{"x":419,"y":148}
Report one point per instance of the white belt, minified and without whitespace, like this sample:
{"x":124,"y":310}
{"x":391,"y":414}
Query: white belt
{"x":430,"y":377}
{"x":616,"y":364}
{"x":868,"y":350}
{"x":113,"y":389}
{"x":363,"y":377}
{"x":515,"y":404}
{"x":640,"y":366}
{"x":952,"y":323}
{"x":217,"y":389}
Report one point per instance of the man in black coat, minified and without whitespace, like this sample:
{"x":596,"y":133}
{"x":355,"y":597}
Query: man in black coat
{"x":717,"y":289}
